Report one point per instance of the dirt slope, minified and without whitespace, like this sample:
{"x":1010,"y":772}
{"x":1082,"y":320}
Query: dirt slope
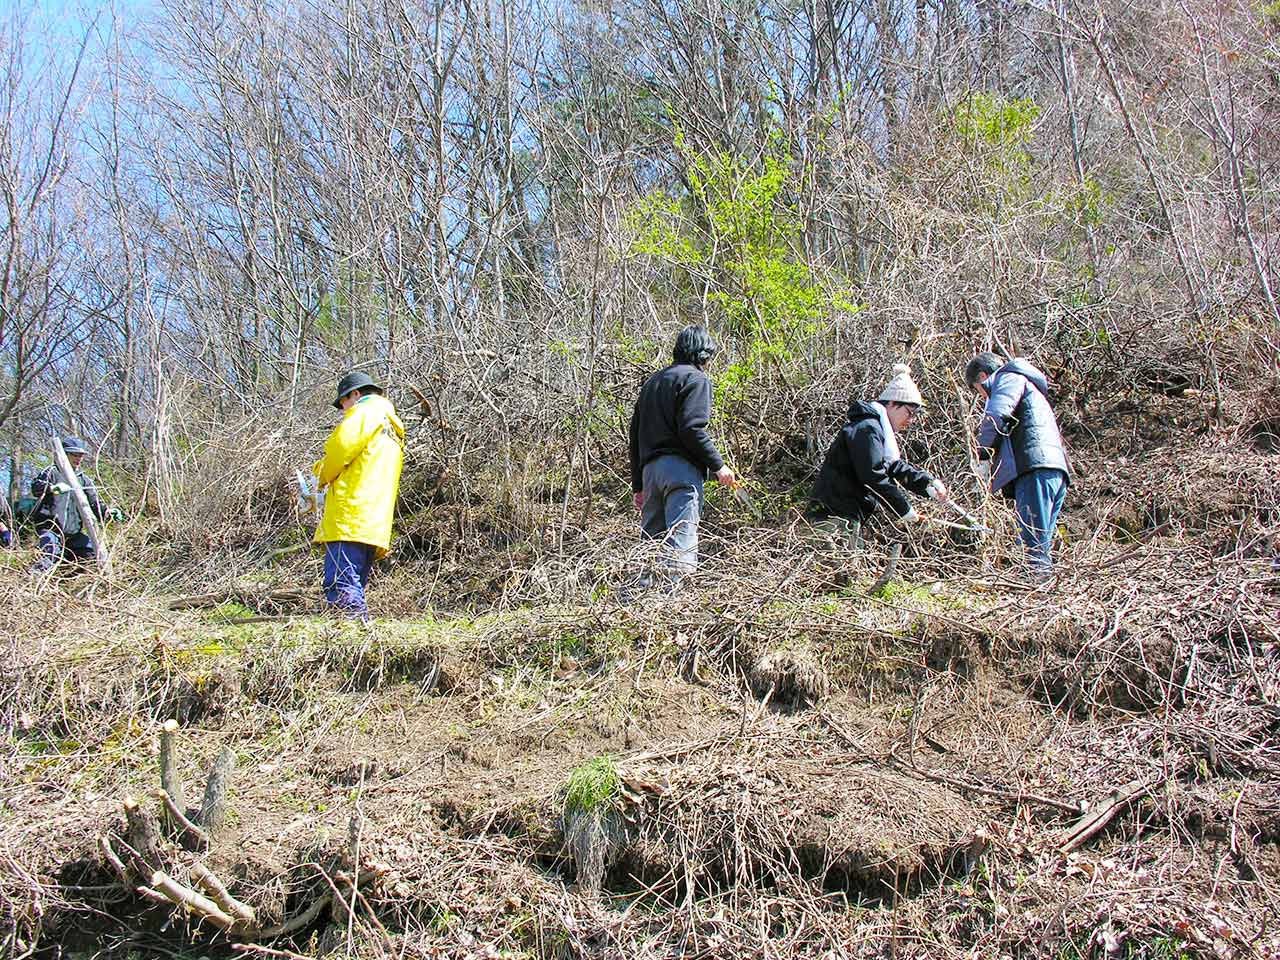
{"x":964,"y":766}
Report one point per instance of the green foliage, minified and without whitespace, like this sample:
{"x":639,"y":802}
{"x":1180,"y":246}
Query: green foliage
{"x":991,"y":120}
{"x":228,"y":610}
{"x":738,"y":224}
{"x":657,"y":229}
{"x":594,"y":785}
{"x":440,"y":919}
{"x":1159,"y":947}
{"x":1156,"y":948}
{"x":634,"y":350}
{"x":996,"y":131}
{"x":1088,"y":203}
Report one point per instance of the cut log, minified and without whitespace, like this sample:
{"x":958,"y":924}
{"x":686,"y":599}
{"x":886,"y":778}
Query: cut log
{"x":143,"y":833}
{"x":1094,"y":821}
{"x":195,"y":903}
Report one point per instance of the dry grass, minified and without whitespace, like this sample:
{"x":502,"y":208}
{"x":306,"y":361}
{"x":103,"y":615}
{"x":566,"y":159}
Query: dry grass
{"x":913,"y":798}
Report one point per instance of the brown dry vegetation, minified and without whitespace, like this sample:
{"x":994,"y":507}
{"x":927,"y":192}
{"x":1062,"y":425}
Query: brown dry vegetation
{"x":505,"y":210}
{"x":982,"y":769}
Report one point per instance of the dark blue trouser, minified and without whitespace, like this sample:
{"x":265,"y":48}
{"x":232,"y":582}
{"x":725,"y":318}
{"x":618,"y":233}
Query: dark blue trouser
{"x":346,"y":574}
{"x":54,"y":549}
{"x":1038,"y":497}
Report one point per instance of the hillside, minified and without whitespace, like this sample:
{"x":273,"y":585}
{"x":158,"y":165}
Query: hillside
{"x":501,"y":215}
{"x":773,"y":764}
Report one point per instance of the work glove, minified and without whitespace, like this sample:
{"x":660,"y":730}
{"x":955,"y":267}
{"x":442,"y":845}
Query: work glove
{"x":60,"y":488}
{"x":982,"y":470}
{"x":115,"y":515}
{"x":913,"y":516}
{"x":937,"y":491}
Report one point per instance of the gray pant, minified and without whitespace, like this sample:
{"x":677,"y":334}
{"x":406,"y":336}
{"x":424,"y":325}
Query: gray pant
{"x":834,"y":532}
{"x":672,"y":508}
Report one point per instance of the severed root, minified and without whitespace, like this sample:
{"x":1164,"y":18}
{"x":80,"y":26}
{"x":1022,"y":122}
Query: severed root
{"x":215,"y":888}
{"x":109,"y":854}
{"x":227,"y":913}
{"x":194,"y":903}
{"x":191,"y":836}
{"x":292,"y":925}
{"x":794,"y":677}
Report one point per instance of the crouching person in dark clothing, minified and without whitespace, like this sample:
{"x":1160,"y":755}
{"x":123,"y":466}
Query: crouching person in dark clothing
{"x":672,"y":453}
{"x":59,"y":527}
{"x":1019,"y":438}
{"x":864,"y":470}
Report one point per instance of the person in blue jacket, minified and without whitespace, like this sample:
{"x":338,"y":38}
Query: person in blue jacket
{"x":1021,"y":447}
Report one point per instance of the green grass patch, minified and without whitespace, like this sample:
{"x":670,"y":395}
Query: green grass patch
{"x":595,"y":785}
{"x":228,"y":611}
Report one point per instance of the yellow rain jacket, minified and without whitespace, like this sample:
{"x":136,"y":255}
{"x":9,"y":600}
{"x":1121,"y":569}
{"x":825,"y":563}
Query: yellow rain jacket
{"x":361,"y":467}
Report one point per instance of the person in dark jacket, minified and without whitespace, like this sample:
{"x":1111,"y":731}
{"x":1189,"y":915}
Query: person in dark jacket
{"x":672,"y":453}
{"x":59,"y":528}
{"x":863,"y":468}
{"x":1021,"y":446}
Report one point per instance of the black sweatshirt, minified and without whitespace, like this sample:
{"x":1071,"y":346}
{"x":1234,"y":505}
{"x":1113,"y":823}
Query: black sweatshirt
{"x":671,"y":417}
{"x":855,"y":479}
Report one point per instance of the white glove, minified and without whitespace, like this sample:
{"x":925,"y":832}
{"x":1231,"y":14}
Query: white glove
{"x":912,"y":516}
{"x":982,"y":470}
{"x":937,"y":490}
{"x":60,"y":488}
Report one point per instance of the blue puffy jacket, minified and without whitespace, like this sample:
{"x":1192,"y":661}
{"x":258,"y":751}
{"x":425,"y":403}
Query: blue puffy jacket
{"x":1019,"y":432}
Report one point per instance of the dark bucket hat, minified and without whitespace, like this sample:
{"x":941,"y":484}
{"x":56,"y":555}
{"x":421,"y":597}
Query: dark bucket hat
{"x":354,"y":381}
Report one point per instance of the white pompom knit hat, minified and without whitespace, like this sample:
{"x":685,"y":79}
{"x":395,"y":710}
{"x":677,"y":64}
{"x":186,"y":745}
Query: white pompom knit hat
{"x":901,"y":388}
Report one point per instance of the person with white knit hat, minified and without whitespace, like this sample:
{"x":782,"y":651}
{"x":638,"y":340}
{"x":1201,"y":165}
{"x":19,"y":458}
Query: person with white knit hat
{"x":864,"y":469}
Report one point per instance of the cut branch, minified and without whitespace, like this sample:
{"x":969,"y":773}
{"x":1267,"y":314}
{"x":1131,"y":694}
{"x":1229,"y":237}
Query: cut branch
{"x":191,"y":836}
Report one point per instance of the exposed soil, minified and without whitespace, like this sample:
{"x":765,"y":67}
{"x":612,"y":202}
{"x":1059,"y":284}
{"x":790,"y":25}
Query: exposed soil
{"x":964,"y":764}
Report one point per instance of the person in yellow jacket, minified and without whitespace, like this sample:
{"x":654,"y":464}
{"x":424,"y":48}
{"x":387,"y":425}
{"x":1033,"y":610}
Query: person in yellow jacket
{"x":361,"y":469}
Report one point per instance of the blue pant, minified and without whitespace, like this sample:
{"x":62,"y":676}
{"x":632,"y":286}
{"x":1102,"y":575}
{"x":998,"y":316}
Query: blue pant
{"x":54,"y":548}
{"x":672,"y":509}
{"x":346,"y":574}
{"x":1038,"y":497}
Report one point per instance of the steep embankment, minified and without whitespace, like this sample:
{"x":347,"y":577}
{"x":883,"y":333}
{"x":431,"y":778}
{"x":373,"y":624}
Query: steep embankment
{"x":772,"y":765}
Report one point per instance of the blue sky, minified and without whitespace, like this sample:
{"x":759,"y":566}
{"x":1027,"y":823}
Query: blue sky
{"x":64,"y":21}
